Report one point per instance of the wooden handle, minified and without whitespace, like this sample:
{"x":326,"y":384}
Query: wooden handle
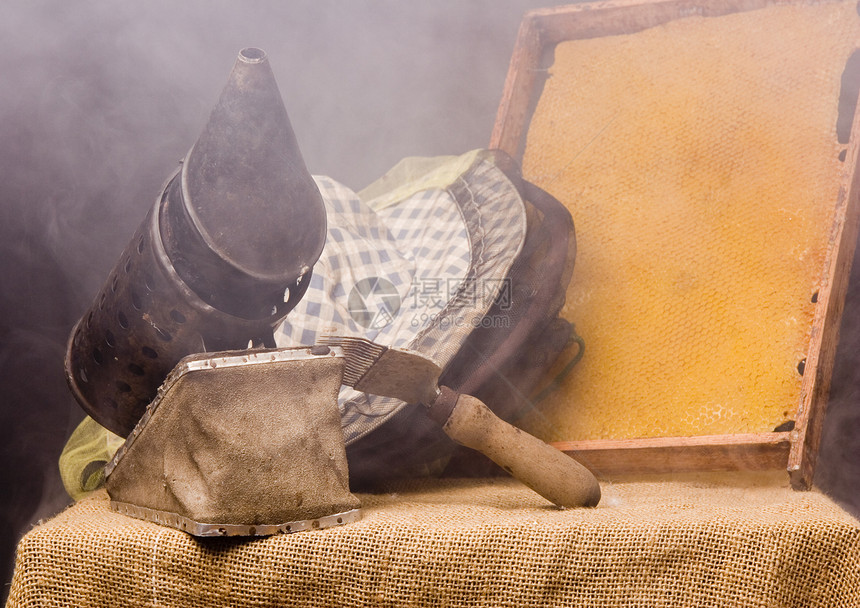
{"x":546,"y":470}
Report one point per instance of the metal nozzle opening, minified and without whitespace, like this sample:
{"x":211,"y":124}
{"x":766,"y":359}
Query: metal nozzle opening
{"x":252,"y":55}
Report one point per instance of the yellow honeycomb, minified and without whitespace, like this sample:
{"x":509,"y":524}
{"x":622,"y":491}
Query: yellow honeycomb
{"x":700,"y":162}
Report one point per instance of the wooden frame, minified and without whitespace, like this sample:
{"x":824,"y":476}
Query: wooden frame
{"x":794,"y":450}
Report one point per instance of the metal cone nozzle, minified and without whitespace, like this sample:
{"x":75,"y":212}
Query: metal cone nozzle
{"x":244,"y":219}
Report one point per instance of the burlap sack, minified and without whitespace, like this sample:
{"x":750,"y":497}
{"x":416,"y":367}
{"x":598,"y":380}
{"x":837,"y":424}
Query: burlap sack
{"x":470,"y":543}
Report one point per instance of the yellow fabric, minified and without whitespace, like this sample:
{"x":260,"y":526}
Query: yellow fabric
{"x":699,"y":541}
{"x":413,"y":174}
{"x":82,"y":462}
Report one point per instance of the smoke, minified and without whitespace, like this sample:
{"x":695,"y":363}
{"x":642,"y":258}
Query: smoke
{"x":100,"y":99}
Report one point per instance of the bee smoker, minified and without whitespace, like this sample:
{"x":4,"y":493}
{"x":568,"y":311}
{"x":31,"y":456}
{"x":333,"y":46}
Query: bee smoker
{"x":222,"y":256}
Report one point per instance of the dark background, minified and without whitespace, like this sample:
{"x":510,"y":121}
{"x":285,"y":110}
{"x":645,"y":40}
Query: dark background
{"x":99,"y":101}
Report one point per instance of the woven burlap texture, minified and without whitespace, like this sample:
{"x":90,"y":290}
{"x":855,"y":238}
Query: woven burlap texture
{"x":469,"y":543}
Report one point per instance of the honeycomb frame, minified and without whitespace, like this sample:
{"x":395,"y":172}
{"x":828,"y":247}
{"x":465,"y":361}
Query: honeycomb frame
{"x":724,"y":447}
